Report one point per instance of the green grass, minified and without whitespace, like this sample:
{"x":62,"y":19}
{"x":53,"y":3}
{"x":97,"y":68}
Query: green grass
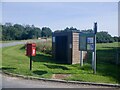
{"x":15,"y":61}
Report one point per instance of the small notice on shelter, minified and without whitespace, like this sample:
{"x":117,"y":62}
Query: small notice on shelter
{"x":90,"y":40}
{"x":90,"y":46}
{"x":86,"y":41}
{"x":53,"y":39}
{"x":83,"y":43}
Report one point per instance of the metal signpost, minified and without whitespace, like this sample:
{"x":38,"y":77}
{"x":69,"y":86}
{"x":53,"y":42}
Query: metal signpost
{"x":87,"y":42}
{"x":95,"y":31}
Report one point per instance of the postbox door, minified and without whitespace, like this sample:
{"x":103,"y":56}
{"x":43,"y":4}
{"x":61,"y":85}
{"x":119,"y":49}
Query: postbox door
{"x":29,"y":50}
{"x":33,"y":51}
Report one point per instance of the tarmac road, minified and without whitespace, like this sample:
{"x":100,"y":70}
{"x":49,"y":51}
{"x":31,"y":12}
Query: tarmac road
{"x":17,"y":82}
{"x":11,"y":44}
{"x":19,"y":42}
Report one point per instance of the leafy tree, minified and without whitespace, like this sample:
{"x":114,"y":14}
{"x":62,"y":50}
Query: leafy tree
{"x":18,"y":29}
{"x":71,"y":29}
{"x":88,"y":31}
{"x":19,"y":32}
{"x":119,"y":39}
{"x":0,"y":31}
{"x":46,"y":32}
{"x":8,"y":33}
{"x":116,"y":39}
{"x":38,"y":32}
{"x":104,"y":37}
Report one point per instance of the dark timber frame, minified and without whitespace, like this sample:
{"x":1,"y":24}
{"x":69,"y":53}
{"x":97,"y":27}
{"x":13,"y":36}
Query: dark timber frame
{"x":65,"y":47}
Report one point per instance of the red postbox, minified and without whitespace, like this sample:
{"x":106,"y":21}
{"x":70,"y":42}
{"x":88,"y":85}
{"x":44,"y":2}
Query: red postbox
{"x":31,"y":49}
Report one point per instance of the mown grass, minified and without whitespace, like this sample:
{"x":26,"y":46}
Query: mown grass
{"x":15,"y":61}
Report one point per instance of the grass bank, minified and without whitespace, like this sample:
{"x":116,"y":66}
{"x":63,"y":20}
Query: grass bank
{"x":15,"y":61}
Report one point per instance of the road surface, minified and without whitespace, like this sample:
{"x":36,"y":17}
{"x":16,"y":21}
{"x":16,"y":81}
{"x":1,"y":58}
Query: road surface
{"x":19,"y":42}
{"x":15,"y":82}
{"x":11,"y":44}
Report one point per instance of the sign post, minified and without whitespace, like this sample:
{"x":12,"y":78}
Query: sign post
{"x":95,"y":31}
{"x":81,"y":58}
{"x":93,"y":60}
{"x":87,"y":42}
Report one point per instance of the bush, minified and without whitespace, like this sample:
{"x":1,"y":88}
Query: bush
{"x":45,"y":47}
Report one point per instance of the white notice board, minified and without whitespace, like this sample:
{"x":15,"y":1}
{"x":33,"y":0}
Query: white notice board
{"x":90,"y":40}
{"x":82,"y":44}
{"x":53,"y":39}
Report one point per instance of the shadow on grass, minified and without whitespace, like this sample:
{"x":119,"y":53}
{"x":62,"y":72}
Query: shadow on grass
{"x":56,"y":67}
{"x":108,"y":55}
{"x":109,"y":70}
{"x":23,"y":47}
{"x":7,"y":68}
{"x":47,"y":59}
{"x":86,"y":67}
{"x":106,"y":63}
{"x":43,"y":58}
{"x":40,"y":72}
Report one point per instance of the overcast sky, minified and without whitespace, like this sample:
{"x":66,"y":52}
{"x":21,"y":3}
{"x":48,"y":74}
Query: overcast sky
{"x":58,"y":15}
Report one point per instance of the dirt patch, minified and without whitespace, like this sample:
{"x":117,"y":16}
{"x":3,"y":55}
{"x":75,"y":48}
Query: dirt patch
{"x":60,"y":76}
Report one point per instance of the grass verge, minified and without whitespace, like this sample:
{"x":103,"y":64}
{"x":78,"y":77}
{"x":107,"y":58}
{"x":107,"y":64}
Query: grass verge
{"x":15,"y":61}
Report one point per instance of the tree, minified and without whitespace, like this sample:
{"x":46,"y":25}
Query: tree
{"x":70,"y":29}
{"x":87,"y":31}
{"x":7,"y":32}
{"x":116,"y":38}
{"x":104,"y":37}
{"x":46,"y":32}
{"x":19,"y":32}
{"x":38,"y":32}
{"x":67,"y":29}
{"x":0,"y":31}
{"x":119,"y":39}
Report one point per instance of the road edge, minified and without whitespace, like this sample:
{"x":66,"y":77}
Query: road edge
{"x":59,"y":80}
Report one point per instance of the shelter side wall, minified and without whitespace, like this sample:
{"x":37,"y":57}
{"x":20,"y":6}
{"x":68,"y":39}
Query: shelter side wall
{"x":75,"y":49}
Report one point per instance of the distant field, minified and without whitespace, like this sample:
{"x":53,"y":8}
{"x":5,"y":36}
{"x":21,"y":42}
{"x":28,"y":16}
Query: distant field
{"x":21,"y":40}
{"x":11,"y":41}
{"x":16,"y":40}
{"x":15,"y":61}
{"x":5,"y":41}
